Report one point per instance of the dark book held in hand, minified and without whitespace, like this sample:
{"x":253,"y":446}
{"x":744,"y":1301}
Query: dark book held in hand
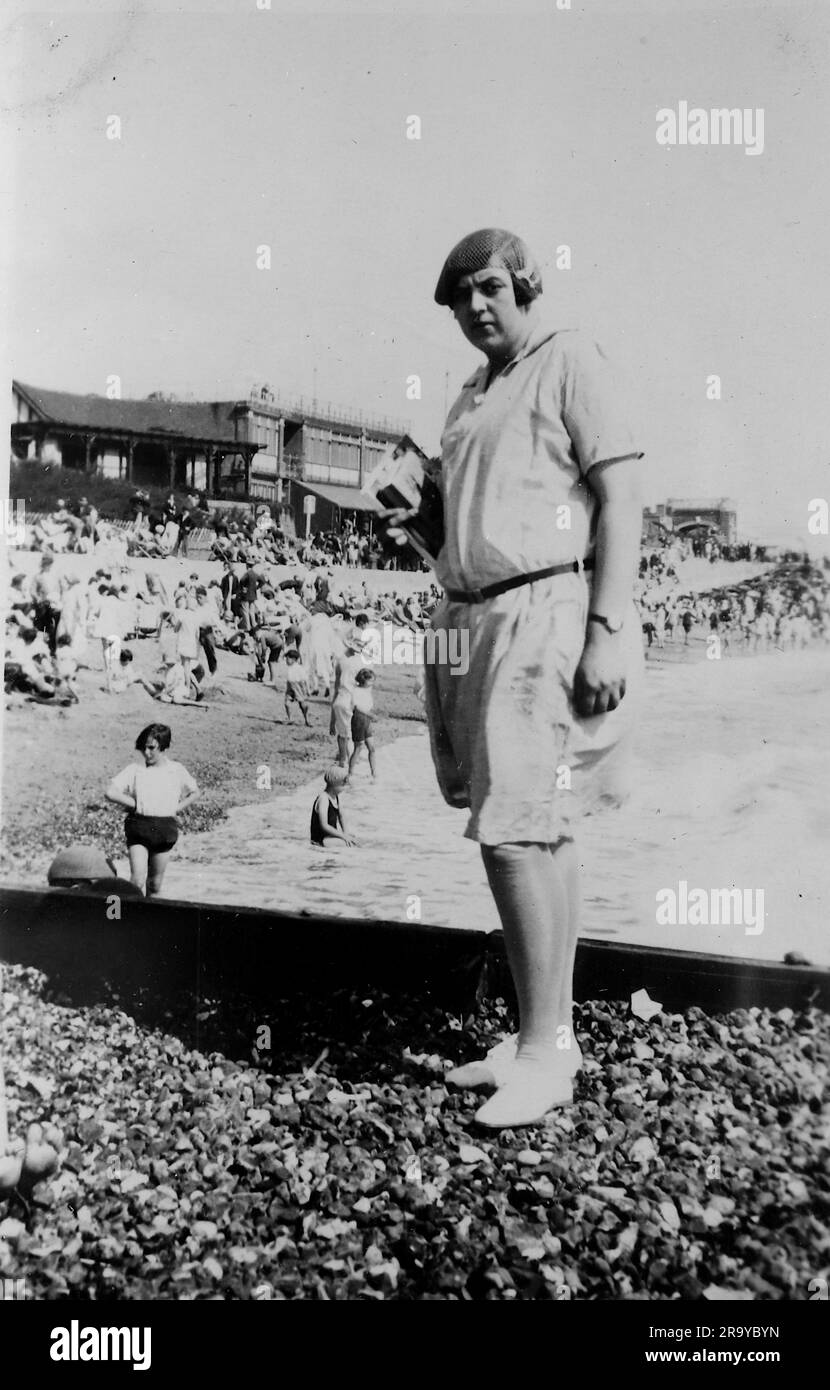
{"x":402,"y":478}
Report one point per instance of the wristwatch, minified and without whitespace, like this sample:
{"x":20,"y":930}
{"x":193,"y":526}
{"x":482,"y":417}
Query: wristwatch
{"x":612,"y":624}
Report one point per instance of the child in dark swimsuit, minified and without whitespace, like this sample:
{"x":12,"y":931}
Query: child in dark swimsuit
{"x":327,"y":828}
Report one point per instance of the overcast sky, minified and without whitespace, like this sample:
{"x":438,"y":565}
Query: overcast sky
{"x":243,"y":127}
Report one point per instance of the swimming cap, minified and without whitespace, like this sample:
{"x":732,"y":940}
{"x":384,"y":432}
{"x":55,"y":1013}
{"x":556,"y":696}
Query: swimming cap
{"x":490,"y":246}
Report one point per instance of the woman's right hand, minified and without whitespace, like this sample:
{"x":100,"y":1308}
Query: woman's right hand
{"x":393,"y":519}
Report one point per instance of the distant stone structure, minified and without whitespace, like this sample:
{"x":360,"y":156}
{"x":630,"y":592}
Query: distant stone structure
{"x":714,"y":516}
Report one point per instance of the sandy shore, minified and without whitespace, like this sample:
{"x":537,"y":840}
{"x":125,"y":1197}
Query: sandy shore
{"x":729,"y":792}
{"x":726,"y":793}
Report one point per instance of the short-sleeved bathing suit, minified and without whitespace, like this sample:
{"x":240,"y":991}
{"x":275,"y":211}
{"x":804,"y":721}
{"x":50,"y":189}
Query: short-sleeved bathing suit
{"x":506,"y":741}
{"x":157,"y":791}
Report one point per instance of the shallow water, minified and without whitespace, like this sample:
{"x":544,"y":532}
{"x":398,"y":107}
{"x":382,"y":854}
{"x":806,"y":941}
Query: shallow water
{"x":730,"y":791}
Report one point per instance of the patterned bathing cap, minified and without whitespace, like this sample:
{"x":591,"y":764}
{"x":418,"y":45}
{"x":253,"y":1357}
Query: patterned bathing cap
{"x":490,"y":246}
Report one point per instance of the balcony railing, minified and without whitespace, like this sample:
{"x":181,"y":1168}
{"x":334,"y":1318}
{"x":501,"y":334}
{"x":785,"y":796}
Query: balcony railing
{"x":273,"y":403}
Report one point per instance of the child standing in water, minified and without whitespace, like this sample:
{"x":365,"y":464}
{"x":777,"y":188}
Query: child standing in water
{"x":362,"y":719}
{"x":327,"y":828}
{"x":296,"y":685}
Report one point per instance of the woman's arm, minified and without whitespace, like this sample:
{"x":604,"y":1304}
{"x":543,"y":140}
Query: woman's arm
{"x":120,"y":798}
{"x":599,"y":683}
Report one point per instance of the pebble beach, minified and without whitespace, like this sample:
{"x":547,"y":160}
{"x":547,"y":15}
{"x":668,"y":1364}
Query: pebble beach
{"x":693,"y":1164}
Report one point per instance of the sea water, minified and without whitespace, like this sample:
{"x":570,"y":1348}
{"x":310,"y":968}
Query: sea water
{"x":729,"y":792}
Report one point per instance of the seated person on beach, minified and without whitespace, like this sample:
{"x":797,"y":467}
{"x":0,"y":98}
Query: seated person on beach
{"x":19,"y":598}
{"x":177,"y":689}
{"x":66,"y":669}
{"x":327,"y":827}
{"x":296,"y":685}
{"x":27,"y":666}
{"x":362,"y":707}
{"x":126,"y":676}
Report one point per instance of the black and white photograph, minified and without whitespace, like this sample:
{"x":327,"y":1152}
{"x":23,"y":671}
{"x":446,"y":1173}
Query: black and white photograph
{"x":416,"y":591}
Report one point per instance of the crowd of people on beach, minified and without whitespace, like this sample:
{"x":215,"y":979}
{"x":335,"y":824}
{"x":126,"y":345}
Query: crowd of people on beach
{"x":780,"y":609}
{"x":313,"y":634}
{"x":300,"y":624}
{"x":316,"y":629}
{"x":155,"y":531}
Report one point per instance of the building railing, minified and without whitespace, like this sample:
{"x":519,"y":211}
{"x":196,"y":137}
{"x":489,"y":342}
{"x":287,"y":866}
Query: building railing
{"x":273,"y":402}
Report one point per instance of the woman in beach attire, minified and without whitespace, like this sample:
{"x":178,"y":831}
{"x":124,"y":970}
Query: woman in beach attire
{"x":154,"y":795}
{"x":47,"y":593}
{"x":320,"y":648}
{"x":73,"y":619}
{"x":363,"y":719}
{"x":346,"y":668}
{"x":542,"y":516}
{"x":188,"y":625}
{"x":110,"y":620}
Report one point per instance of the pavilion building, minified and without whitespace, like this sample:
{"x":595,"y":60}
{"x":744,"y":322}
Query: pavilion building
{"x":263,"y":447}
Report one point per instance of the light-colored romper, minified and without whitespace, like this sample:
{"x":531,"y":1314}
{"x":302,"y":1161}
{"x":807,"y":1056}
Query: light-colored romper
{"x":505,"y":738}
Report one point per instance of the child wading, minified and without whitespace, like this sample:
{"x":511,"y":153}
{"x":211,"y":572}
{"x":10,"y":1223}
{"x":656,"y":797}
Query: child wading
{"x":154,"y":794}
{"x":362,"y":719}
{"x":327,"y":828}
{"x":296,"y":686}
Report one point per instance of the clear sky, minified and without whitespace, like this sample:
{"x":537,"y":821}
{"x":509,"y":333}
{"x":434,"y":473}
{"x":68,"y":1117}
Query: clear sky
{"x":243,"y":127}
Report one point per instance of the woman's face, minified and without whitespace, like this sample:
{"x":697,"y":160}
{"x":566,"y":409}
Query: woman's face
{"x":485,"y":308}
{"x":152,"y":752}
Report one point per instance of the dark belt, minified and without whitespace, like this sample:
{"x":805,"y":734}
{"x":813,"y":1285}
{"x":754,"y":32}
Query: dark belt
{"x":492,"y":590}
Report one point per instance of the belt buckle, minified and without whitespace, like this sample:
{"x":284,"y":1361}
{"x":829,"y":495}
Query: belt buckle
{"x":475,"y":596}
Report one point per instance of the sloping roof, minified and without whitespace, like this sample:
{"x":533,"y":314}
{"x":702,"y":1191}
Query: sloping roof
{"x":209,"y":420}
{"x":342,"y":496}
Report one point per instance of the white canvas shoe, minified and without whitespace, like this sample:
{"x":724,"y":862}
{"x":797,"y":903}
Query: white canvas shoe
{"x":525,"y":1098}
{"x":494,"y":1069}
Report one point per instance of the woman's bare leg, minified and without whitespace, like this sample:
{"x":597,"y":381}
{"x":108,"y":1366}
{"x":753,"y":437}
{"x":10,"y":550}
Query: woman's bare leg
{"x":566,"y":864}
{"x":536,"y":893}
{"x":138,"y":865}
{"x":155,"y":874}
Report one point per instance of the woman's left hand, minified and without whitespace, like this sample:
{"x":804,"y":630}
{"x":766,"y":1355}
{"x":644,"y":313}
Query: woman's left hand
{"x":599,"y":683}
